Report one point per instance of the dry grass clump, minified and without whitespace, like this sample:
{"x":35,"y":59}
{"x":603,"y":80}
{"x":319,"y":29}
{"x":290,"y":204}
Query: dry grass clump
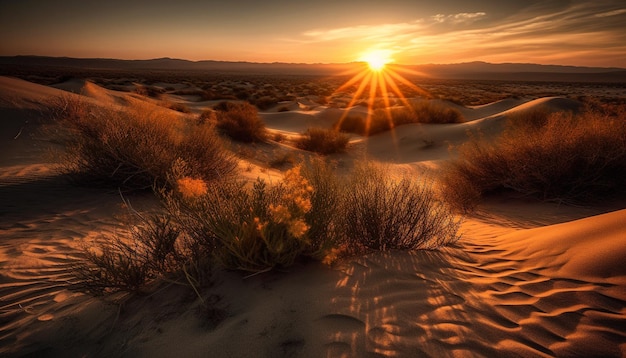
{"x":240,"y":121}
{"x":250,"y":228}
{"x":256,"y":227}
{"x":176,"y":106}
{"x":323,"y":141}
{"x":134,"y":147}
{"x":324,"y":235}
{"x":559,"y":157}
{"x":381,"y":213}
{"x":384,"y":119}
{"x":149,"y":91}
{"x":150,"y":250}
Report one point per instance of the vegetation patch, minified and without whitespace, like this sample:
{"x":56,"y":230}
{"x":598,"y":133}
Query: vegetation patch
{"x":384,"y":119}
{"x":134,"y":147}
{"x":558,"y":157}
{"x":323,"y":141}
{"x":240,"y":121}
{"x":256,"y":227}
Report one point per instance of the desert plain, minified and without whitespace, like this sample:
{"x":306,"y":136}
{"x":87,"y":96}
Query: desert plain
{"x":526,"y":278}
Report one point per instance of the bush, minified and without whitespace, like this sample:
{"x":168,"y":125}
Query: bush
{"x":558,"y":157}
{"x":251,"y":229}
{"x":255,"y":228}
{"x":264,"y":102}
{"x":382,"y":214}
{"x":324,"y":236}
{"x":176,"y":106}
{"x":129,"y":264}
{"x":432,"y":112}
{"x":351,"y":124}
{"x":134,"y":147}
{"x":384,"y":119}
{"x":323,"y":141}
{"x":241,"y":122}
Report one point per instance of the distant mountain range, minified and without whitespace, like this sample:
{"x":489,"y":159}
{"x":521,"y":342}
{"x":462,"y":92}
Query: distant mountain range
{"x":470,"y":70}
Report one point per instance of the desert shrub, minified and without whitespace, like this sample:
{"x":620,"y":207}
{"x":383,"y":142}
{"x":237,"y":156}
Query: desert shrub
{"x":149,"y":91}
{"x":560,"y":157}
{"x":351,"y":124}
{"x":257,"y":227}
{"x":176,"y":106}
{"x":264,"y":102}
{"x":240,"y":121}
{"x":529,"y":120}
{"x":134,"y":147}
{"x":118,"y":263}
{"x":324,"y":236}
{"x":384,"y":119}
{"x":251,"y":229}
{"x":323,"y":141}
{"x":207,"y":116}
{"x":380,"y":213}
{"x":433,"y":112}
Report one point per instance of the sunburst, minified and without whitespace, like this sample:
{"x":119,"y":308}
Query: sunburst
{"x":377,"y":59}
{"x":377,"y":74}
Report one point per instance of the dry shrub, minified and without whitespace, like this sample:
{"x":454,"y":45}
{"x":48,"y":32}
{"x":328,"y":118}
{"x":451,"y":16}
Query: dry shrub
{"x":312,"y":212}
{"x":351,"y":124}
{"x":324,"y":234}
{"x":150,"y":251}
{"x":264,"y":102}
{"x":384,"y":119}
{"x":134,"y":147}
{"x":381,"y":213}
{"x":559,"y":157}
{"x":176,"y":106}
{"x":433,"y":112}
{"x":149,"y":91}
{"x":323,"y":141}
{"x":241,"y":122}
{"x":251,"y":229}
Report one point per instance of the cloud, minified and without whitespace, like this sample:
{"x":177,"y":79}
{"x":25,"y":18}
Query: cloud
{"x":570,"y":32}
{"x":362,"y":32}
{"x":611,"y":13}
{"x":463,"y":17}
{"x":389,"y":30}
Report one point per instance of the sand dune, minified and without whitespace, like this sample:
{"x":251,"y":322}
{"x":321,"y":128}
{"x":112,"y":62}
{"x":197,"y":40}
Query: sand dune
{"x":551,"y":284}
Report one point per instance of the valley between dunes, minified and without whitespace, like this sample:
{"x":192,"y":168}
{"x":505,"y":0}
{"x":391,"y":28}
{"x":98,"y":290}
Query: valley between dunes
{"x":527,"y":279}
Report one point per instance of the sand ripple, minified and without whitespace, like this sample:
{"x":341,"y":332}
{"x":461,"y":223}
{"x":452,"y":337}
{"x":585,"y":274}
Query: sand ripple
{"x":470,"y":301}
{"x":41,"y":227}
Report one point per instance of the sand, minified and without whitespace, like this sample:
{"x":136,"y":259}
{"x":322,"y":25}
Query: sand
{"x":526,"y":279}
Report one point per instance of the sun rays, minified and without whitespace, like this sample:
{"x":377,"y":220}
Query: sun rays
{"x":381,"y":80}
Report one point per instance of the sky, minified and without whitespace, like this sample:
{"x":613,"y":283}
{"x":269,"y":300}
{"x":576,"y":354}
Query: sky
{"x":582,"y":33}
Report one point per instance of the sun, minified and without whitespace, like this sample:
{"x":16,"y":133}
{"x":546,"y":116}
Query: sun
{"x":379,"y":81}
{"x":377,"y":59}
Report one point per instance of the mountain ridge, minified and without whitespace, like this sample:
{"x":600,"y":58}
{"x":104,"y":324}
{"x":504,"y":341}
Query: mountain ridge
{"x":475,"y":70}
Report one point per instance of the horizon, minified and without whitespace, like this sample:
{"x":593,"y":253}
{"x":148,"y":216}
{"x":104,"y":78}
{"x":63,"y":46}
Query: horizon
{"x":573,"y":33}
{"x":364,"y":62}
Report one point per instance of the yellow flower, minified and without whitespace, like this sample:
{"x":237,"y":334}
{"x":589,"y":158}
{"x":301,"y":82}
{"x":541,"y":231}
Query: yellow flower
{"x":191,"y":188}
{"x":280,"y":213}
{"x":298,"y":228}
{"x":259,"y":225}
